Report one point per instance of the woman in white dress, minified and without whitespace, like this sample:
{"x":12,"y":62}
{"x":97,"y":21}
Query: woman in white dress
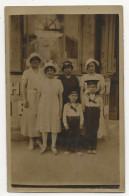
{"x":49,"y":106}
{"x":91,"y":67}
{"x":30,"y":79}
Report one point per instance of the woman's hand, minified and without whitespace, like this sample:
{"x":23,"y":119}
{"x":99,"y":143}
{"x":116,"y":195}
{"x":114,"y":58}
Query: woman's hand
{"x":66,"y":127}
{"x":25,"y":104}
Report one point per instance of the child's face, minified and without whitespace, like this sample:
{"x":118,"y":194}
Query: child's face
{"x":92,"y":88}
{"x":73,"y":97}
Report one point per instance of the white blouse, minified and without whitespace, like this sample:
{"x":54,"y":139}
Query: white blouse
{"x":72,"y":111}
{"x":32,"y":78}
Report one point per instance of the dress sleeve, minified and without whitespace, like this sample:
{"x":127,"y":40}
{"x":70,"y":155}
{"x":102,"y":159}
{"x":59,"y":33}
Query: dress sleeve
{"x":25,"y":75}
{"x":60,"y":86}
{"x":65,"y":114}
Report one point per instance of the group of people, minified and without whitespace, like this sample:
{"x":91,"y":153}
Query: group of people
{"x":62,"y":105}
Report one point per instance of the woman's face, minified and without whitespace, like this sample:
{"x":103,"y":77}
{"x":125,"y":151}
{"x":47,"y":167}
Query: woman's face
{"x":35,"y":62}
{"x":91,"y":68}
{"x":50,"y":73}
{"x":68,"y":70}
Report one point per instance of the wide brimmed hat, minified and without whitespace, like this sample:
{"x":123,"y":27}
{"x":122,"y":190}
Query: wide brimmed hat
{"x":91,"y":60}
{"x":67,"y":64}
{"x":50,"y":64}
{"x":28,"y":64}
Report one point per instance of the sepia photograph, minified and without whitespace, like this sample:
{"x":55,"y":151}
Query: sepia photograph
{"x":64,"y":96}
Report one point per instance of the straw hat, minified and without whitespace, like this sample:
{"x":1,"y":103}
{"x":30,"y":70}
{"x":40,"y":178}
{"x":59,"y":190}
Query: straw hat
{"x":28,"y":64}
{"x":91,"y":60}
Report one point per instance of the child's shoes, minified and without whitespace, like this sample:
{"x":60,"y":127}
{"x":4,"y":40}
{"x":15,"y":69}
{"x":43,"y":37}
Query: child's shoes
{"x":93,"y":151}
{"x":89,"y":151}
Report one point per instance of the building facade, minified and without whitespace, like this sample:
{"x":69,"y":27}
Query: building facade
{"x":60,"y":37}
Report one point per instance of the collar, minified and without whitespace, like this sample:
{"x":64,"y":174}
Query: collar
{"x":88,"y":95}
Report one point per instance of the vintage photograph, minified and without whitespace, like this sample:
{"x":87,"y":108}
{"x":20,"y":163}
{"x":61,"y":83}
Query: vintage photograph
{"x":64,"y":69}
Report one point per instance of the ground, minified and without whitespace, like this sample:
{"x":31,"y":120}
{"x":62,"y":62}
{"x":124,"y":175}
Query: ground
{"x":31,"y":168}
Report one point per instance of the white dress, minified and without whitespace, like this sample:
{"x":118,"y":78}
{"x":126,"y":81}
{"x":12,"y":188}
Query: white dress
{"x":28,"y":125}
{"x":100,"y":86}
{"x":48,"y":119}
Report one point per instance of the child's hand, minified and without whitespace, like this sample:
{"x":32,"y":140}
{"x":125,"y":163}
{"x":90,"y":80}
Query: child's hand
{"x":66,"y":127}
{"x":81,"y":126}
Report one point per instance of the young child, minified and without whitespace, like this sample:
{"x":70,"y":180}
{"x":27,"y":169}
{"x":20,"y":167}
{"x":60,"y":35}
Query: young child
{"x":93,"y":104}
{"x":73,"y":121}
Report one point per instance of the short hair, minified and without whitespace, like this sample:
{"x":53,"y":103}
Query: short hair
{"x":35,"y":57}
{"x":97,"y":68}
{"x":49,"y":67}
{"x":67,"y":64}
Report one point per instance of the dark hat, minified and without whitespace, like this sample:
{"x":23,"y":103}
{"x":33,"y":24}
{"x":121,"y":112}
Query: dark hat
{"x":67,"y":64}
{"x":72,"y":92}
{"x":89,"y":82}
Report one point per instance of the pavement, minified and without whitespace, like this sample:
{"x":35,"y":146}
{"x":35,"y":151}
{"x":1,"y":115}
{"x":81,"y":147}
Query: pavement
{"x":31,"y":168}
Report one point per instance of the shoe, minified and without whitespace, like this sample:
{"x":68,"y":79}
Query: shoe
{"x":89,"y":151}
{"x":80,"y":153}
{"x":54,"y":150}
{"x":31,"y":146}
{"x":93,"y":151}
{"x":39,"y":143}
{"x":43,"y":149}
{"x":66,"y":152}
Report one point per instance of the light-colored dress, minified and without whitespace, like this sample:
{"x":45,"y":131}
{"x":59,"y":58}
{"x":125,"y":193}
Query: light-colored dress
{"x":101,"y":84}
{"x":28,"y":126}
{"x":48,"y":119}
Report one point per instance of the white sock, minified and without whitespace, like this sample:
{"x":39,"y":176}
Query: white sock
{"x":44,"y":137}
{"x":54,"y":137}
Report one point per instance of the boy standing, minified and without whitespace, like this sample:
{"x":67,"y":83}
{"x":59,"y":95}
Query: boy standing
{"x":92,"y":104}
{"x":73,"y":122}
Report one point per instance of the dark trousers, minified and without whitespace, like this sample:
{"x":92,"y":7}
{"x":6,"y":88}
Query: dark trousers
{"x":91,"y":116}
{"x":73,"y":134}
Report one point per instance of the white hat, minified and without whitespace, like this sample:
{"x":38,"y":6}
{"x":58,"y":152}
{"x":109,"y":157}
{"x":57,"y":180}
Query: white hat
{"x":28,"y":64}
{"x":91,"y":60}
{"x":50,"y":64}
